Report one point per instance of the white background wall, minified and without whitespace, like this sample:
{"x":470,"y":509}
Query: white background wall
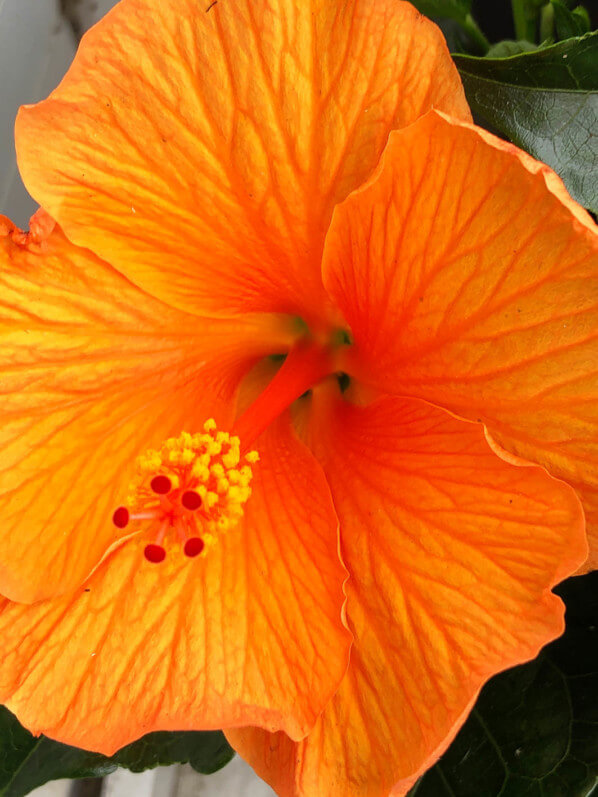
{"x":36,"y":46}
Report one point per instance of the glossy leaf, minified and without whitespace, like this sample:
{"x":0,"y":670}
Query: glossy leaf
{"x":534,"y":729}
{"x":27,"y":762}
{"x":544,"y":68}
{"x":546,"y":102}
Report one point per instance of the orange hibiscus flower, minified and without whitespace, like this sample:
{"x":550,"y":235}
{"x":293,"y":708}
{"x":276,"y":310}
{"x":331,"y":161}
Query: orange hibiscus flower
{"x":299,"y":179}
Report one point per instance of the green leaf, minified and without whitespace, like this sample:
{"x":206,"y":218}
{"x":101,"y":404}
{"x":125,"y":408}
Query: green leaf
{"x":445,"y":12}
{"x":27,"y":762}
{"x":534,"y":729}
{"x":451,"y":9}
{"x":570,"y":23}
{"x":546,"y":102}
{"x":458,"y":39}
{"x":506,"y":48}
{"x":525,"y":18}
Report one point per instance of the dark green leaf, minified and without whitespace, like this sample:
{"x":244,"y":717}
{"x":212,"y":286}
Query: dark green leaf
{"x":546,"y":102}
{"x":15,"y":745}
{"x":583,"y":13}
{"x":206,"y":751}
{"x":534,"y":729}
{"x":451,"y":9}
{"x":447,"y":12}
{"x":457,"y":37}
{"x":27,"y":762}
{"x":569,"y":23}
{"x":571,"y":65}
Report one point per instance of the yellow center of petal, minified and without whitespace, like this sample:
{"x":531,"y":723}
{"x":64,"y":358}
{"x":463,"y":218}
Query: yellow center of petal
{"x":189,"y":491}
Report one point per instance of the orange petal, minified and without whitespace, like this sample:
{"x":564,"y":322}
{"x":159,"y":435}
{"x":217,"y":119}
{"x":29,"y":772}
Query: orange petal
{"x":451,"y":553}
{"x":202,"y":154}
{"x":470,"y":279}
{"x":252,"y":633}
{"x":92,"y":373}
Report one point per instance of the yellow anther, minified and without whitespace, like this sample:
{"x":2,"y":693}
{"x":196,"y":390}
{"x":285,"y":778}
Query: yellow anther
{"x":202,"y":473}
{"x":211,"y":499}
{"x":231,"y":459}
{"x":210,"y":425}
{"x":235,"y":493}
{"x":217,"y":470}
{"x":209,"y":540}
{"x":245,"y":474}
{"x":252,"y":457}
{"x":187,"y":456}
{"x":236,"y":513}
{"x":149,"y":462}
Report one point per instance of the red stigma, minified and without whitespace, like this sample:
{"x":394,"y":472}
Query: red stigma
{"x":120,"y":518}
{"x":191,"y":500}
{"x":154,"y":553}
{"x":161,"y":485}
{"x":194,"y":546}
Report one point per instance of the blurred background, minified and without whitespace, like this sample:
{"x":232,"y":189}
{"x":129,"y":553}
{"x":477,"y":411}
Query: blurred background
{"x":496,"y":20}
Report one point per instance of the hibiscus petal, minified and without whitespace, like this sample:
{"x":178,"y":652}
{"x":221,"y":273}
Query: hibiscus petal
{"x":451,"y":553}
{"x":201,"y":151}
{"x":92,"y":373}
{"x":470,"y":279}
{"x":252,"y":633}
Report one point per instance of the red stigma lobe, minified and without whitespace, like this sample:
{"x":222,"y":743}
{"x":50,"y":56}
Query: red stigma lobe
{"x":120,"y":518}
{"x":191,"y":500}
{"x":161,"y":485}
{"x":194,"y":546}
{"x":154,"y":553}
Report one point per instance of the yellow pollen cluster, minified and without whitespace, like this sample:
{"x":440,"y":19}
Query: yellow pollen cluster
{"x":209,"y":463}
